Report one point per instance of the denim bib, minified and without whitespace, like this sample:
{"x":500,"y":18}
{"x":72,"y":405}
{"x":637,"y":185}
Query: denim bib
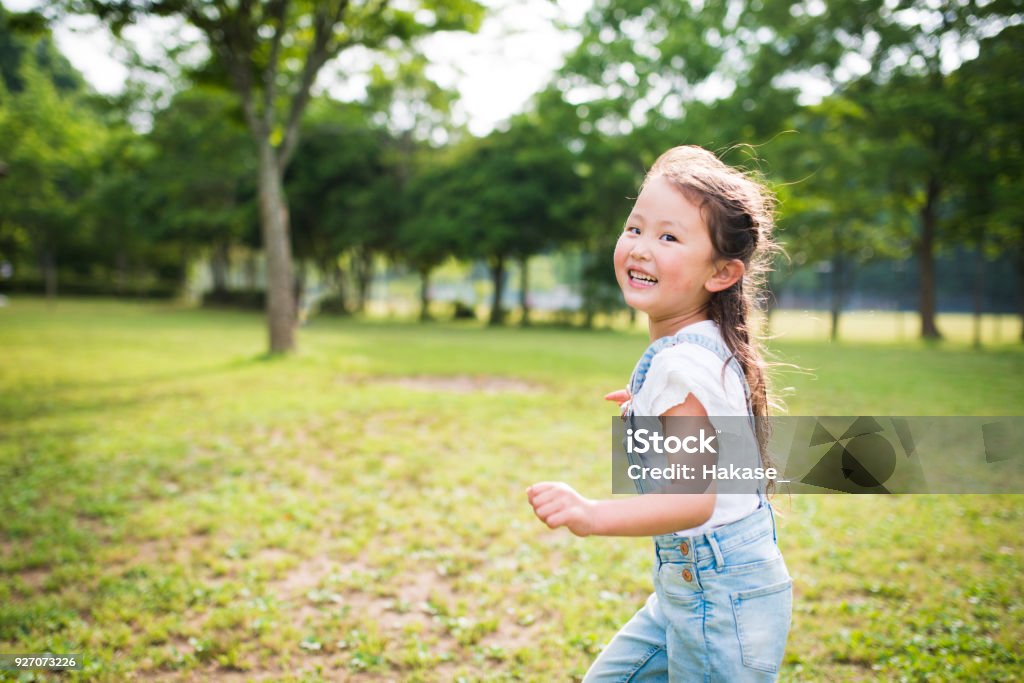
{"x":636,"y":380}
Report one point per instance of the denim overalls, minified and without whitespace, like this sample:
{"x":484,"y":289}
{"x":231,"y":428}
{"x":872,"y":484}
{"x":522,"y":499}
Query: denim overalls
{"x":722,"y":600}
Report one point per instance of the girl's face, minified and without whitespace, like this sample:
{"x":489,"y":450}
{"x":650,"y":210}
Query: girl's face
{"x":664,"y":257}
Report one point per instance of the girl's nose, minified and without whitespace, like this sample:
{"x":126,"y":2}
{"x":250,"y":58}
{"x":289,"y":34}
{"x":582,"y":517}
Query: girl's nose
{"x":639,"y":251}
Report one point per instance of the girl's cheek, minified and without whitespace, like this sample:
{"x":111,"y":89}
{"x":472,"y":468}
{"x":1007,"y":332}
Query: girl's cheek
{"x":621,"y":249}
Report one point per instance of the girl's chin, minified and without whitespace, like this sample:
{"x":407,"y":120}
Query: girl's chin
{"x":634,"y":299}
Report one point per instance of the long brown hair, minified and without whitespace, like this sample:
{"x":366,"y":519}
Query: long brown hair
{"x":739,"y":211}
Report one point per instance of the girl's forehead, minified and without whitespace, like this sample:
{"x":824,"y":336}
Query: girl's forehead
{"x":661,"y":195}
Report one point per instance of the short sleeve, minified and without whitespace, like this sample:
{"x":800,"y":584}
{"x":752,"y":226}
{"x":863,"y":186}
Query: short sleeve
{"x":669,"y":388}
{"x":686,"y":369}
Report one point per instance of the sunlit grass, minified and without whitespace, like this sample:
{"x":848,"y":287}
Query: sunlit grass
{"x":175,"y":505}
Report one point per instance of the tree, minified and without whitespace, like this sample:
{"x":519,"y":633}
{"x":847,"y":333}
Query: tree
{"x":338,"y":171}
{"x":896,"y":61}
{"x":418,"y":115}
{"x":503,"y":197}
{"x":988,"y":210}
{"x":50,"y":143}
{"x":840,"y":211}
{"x":37,"y":81}
{"x":117,"y":205}
{"x":516,"y":189}
{"x":609,"y":169}
{"x":718,"y":73}
{"x":271,"y":54}
{"x":431,"y":232}
{"x":649,"y":76}
{"x":196,"y":177}
{"x":25,"y":35}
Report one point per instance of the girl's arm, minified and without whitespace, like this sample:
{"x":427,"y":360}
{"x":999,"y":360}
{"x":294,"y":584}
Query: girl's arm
{"x":557,"y":504}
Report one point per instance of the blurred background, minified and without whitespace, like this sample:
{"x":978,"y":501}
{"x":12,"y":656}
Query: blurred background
{"x":421,"y":198}
{"x":452,"y":159}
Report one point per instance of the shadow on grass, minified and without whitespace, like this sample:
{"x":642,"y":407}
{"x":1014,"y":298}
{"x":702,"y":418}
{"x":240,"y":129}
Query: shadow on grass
{"x":28,"y":403}
{"x":240,"y":363}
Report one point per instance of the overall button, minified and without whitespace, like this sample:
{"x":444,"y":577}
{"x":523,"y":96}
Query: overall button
{"x":684,"y":548}
{"x":687,"y":575}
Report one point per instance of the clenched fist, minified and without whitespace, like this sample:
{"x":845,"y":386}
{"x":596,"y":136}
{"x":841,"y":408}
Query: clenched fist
{"x":557,"y":504}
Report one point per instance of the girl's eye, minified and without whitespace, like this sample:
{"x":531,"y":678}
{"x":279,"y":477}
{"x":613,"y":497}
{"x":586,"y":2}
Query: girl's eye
{"x":669,"y":238}
{"x":633,"y":230}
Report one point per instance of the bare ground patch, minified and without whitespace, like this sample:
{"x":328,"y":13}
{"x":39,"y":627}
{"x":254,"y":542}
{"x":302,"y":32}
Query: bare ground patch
{"x":392,"y":611}
{"x":31,"y":581}
{"x":307,"y":593}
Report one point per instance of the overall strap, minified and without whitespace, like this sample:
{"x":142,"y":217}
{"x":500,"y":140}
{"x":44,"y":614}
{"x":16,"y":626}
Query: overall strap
{"x":636,"y":380}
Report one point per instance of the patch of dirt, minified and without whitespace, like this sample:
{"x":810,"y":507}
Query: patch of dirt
{"x":180,"y":551}
{"x":303,"y":578}
{"x":408,"y":604}
{"x":392,"y":613}
{"x":33,"y":579}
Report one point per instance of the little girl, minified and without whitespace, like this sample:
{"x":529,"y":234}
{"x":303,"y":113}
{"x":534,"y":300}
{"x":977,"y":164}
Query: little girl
{"x":691,"y":256}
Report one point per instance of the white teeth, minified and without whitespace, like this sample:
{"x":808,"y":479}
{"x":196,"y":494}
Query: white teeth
{"x":641,"y":276}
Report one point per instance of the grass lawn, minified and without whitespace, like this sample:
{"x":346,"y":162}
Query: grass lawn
{"x":174,"y":506}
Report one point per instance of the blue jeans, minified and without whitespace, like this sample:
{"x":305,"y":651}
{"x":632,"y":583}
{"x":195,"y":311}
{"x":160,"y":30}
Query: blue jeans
{"x":720,"y":610}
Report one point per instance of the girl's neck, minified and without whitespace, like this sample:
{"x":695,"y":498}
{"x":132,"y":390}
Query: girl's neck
{"x":664,"y":327}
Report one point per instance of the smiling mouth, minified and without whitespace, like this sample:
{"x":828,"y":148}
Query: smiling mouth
{"x":638,"y":279}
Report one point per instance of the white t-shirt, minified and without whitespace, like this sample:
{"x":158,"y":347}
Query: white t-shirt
{"x":686,"y":368}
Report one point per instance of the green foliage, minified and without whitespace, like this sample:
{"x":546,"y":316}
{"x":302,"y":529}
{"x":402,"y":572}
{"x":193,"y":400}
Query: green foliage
{"x":199,"y":173}
{"x":510,"y":195}
{"x":342,"y":185}
{"x":402,"y":96}
{"x":50,"y":144}
{"x":986,"y":207}
{"x":25,"y":37}
{"x":96,"y":285}
{"x":900,"y":137}
{"x":906,"y":151}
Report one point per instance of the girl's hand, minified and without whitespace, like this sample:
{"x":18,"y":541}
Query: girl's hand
{"x":621,"y":397}
{"x":557,"y":504}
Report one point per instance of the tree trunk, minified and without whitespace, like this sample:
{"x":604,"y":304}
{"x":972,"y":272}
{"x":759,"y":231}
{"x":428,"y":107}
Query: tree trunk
{"x":363,"y":264}
{"x":838,"y":276}
{"x":48,"y":264}
{"x":333,"y":281}
{"x":1020,"y":287}
{"x":926,"y":257}
{"x":220,"y":260}
{"x":524,"y":279}
{"x":277,"y":246}
{"x":498,"y":279}
{"x":424,"y":294}
{"x":338,"y":284}
{"x":121,"y":269}
{"x":186,"y":255}
{"x":979,"y":289}
{"x":588,"y":287}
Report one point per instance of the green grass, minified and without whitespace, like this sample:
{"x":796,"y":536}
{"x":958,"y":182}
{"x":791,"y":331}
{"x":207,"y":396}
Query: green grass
{"x":176,"y":506}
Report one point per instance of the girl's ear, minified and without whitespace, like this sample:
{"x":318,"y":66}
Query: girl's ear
{"x":725,"y":275}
